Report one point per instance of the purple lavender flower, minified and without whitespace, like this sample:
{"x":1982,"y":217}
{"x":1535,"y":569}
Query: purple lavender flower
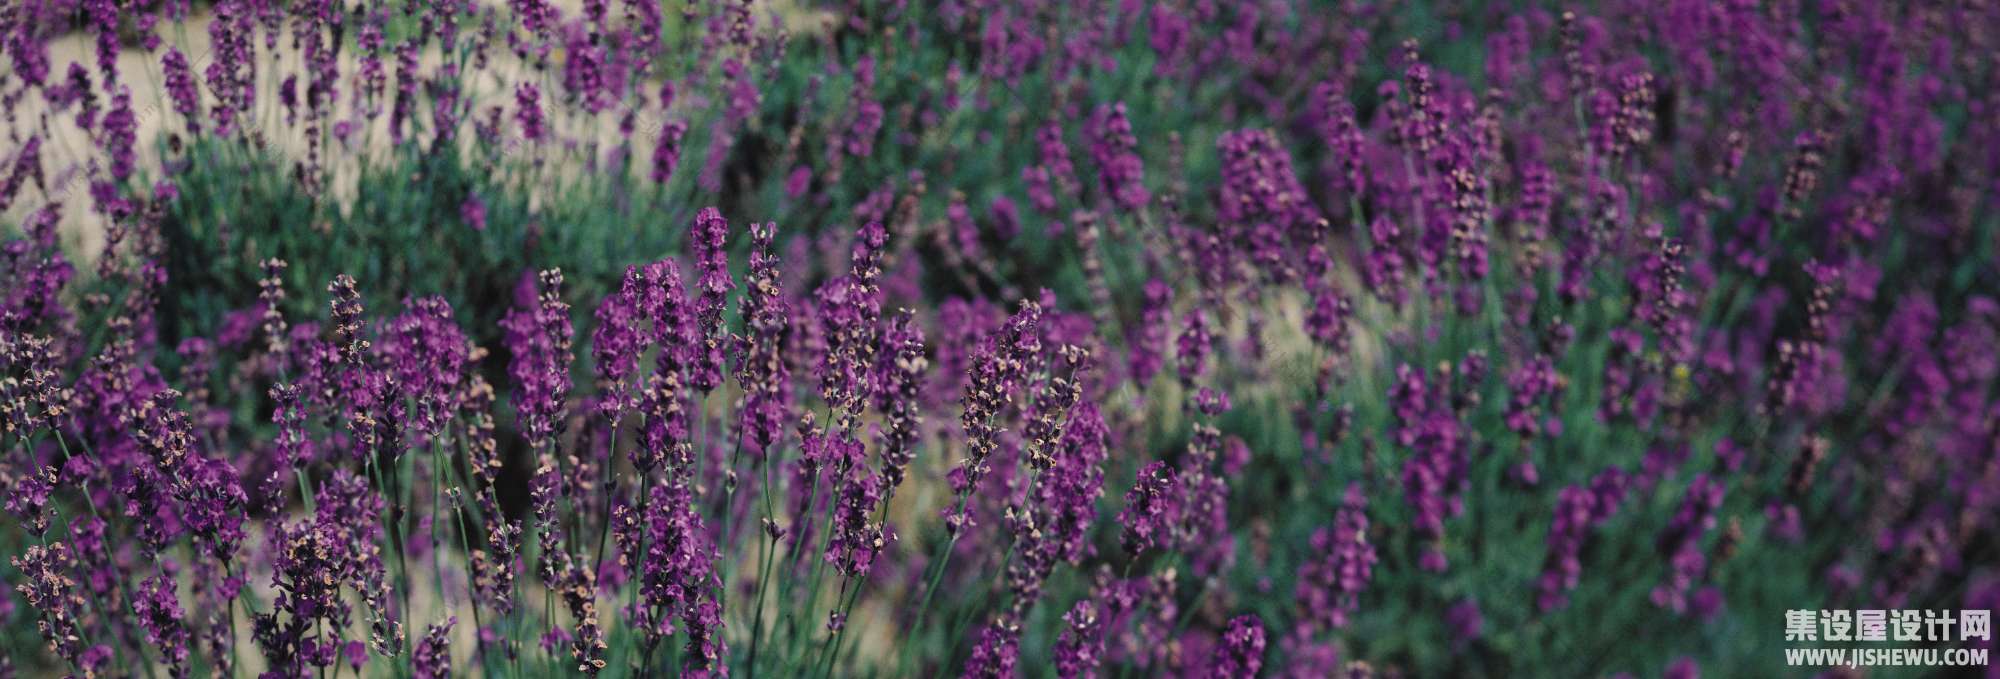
{"x":119,"y":135}
{"x":27,"y":164}
{"x":1465,"y":620}
{"x":405,"y":103}
{"x":472,"y":211}
{"x":850,"y":310}
{"x":615,"y":344}
{"x":1148,"y":339}
{"x":1121,"y":174}
{"x":1802,"y":372}
{"x":1329,"y":587}
{"x":528,"y":105}
{"x":1386,"y":261}
{"x":707,"y":245}
{"x":1579,"y":509}
{"x":994,"y":375}
{"x":864,"y":113}
{"x":900,"y":380}
{"x":1261,"y":196}
{"x":45,"y":582}
{"x":29,"y":52}
{"x":103,"y":18}
{"x":1061,"y":390}
{"x":212,"y":506}
{"x":271,"y":296}
{"x":1193,"y":347}
{"x":345,"y":301}
{"x":538,"y":338}
{"x":1052,"y":525}
{"x":1681,"y":541}
{"x":667,"y":153}
{"x":589,"y":73}
{"x":1650,"y":241}
{"x":159,"y":610}
{"x":1152,"y":510}
{"x":1530,"y":384}
{"x":1802,"y":175}
{"x":28,"y":499}
{"x":1168,"y":31}
{"x":857,"y":537}
{"x":1342,"y":134}
{"x":1205,"y":520}
{"x":1307,"y":658}
{"x":1055,"y":176}
{"x":798,"y":182}
{"x":496,"y":567}
{"x":760,"y":364}
{"x":1242,"y":651}
{"x":428,"y":354}
{"x":1434,"y":474}
{"x":1080,"y":649}
{"x":1006,"y":218}
{"x":295,"y":447}
{"x":678,"y":580}
{"x":1665,"y":302}
{"x":181,"y":88}
{"x":432,"y":657}
{"x":996,"y":654}
{"x":317,"y":558}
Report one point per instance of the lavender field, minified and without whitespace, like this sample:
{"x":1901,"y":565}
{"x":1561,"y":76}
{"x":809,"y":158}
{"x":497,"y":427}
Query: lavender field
{"x":880,"y":338}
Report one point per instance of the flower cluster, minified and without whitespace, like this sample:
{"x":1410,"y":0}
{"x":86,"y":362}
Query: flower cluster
{"x":1481,"y":368}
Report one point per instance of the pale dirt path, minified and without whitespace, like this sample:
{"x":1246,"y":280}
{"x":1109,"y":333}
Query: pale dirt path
{"x":67,"y":151}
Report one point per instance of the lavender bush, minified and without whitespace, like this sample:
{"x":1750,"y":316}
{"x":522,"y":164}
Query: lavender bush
{"x":879,"y":338}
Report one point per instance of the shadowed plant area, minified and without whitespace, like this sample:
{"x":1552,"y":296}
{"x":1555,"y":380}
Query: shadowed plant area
{"x":802,"y":338}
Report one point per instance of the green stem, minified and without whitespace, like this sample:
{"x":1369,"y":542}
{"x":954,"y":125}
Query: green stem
{"x":930,"y":590}
{"x":604,"y":517}
{"x":763,"y":570}
{"x":471,"y":588}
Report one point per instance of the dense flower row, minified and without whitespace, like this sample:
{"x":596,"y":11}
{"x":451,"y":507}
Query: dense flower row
{"x":1458,"y":360}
